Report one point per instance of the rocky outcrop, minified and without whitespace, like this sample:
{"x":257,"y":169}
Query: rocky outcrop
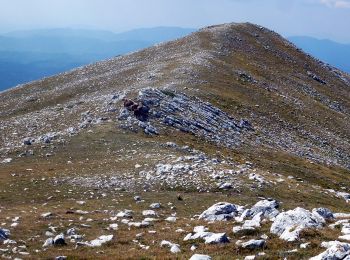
{"x":187,"y":114}
{"x":289,"y":224}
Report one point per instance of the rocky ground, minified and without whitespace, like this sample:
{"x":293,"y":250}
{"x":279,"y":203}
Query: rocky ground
{"x":229,"y":143}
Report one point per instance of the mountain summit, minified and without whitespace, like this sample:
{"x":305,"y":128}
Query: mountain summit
{"x":231,"y":112}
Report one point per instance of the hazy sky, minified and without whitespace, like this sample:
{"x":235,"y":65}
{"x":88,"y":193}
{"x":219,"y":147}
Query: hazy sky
{"x":320,"y":18}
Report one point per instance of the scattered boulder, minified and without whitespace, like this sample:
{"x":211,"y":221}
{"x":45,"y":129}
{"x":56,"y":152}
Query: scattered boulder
{"x":238,"y":229}
{"x":225,"y":186}
{"x":71,"y":232}
{"x":101,"y":240}
{"x":254,"y":223}
{"x":315,"y":77}
{"x":113,"y":226}
{"x":305,"y":245}
{"x":200,"y":257}
{"x":61,"y":257}
{"x":56,"y":241}
{"x":268,"y":208}
{"x":97,"y":242}
{"x":171,"y":219}
{"x":59,"y":240}
{"x":149,"y":213}
{"x":123,"y":114}
{"x":46,"y":215}
{"x":253,"y":244}
{"x":4,"y":234}
{"x":219,"y":212}
{"x":125,"y":214}
{"x":7,"y":160}
{"x":174,"y":248}
{"x":335,"y":251}
{"x":344,"y":195}
{"x":324,"y":213}
{"x":245,"y":124}
{"x":137,"y":198}
{"x":48,"y":242}
{"x":142,"y":224}
{"x":201,"y":232}
{"x":28,"y":141}
{"x":289,"y":224}
{"x":155,"y":206}
{"x":216,"y":238}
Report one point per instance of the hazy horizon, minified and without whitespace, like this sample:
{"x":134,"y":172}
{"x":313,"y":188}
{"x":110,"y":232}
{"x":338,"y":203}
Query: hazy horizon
{"x":322,"y":19}
{"x":4,"y":33}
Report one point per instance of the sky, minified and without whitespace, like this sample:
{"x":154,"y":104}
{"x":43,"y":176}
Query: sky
{"x":318,"y":18}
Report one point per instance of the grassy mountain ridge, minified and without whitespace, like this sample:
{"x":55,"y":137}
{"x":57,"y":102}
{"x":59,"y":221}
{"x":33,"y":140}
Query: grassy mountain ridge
{"x":234,"y":113}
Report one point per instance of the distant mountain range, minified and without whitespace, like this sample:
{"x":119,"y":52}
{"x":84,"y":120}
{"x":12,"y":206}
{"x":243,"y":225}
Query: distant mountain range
{"x":31,"y":55}
{"x":334,"y":53}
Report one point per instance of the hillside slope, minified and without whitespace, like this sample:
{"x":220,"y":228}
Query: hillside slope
{"x":232,"y":112}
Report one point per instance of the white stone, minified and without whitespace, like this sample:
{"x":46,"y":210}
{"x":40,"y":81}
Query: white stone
{"x":208,"y":237}
{"x":324,"y":213}
{"x":150,"y":220}
{"x":290,"y":223}
{"x":174,"y":248}
{"x":291,"y":234}
{"x":216,"y":238}
{"x":200,"y":229}
{"x":253,"y":244}
{"x":48,"y":242}
{"x":305,"y":245}
{"x":9,"y":242}
{"x":155,"y":206}
{"x":171,"y":219}
{"x":336,"y":250}
{"x":100,"y":241}
{"x":219,"y":211}
{"x":125,"y":214}
{"x":163,"y":168}
{"x":142,"y":224}
{"x":345,"y":237}
{"x":7,"y":160}
{"x":225,"y":186}
{"x":268,"y":208}
{"x":46,"y":215}
{"x":254,"y":223}
{"x":341,"y":215}
{"x":200,"y":257}
{"x":113,"y":226}
{"x":237,"y":229}
{"x":59,"y":240}
{"x":149,"y":213}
